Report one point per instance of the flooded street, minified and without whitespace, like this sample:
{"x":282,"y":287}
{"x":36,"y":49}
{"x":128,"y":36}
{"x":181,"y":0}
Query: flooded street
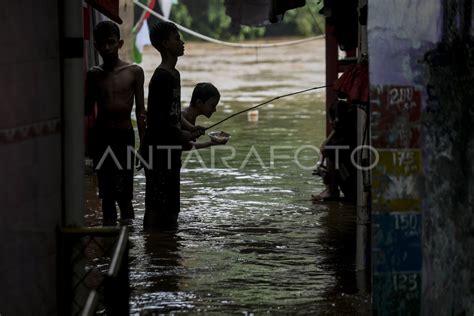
{"x":249,"y":240}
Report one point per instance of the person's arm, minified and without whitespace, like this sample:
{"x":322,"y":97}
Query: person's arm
{"x":186,"y":124}
{"x":194,"y":145}
{"x":196,"y":130}
{"x":208,"y":144}
{"x":203,"y":145}
{"x":89,"y":98}
{"x":140,"y":102}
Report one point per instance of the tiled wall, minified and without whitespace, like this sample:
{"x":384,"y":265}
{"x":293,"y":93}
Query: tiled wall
{"x":30,"y":156}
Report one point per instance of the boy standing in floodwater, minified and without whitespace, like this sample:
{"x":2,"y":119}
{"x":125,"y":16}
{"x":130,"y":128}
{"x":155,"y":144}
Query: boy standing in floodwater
{"x":166,"y":133}
{"x":113,"y":86}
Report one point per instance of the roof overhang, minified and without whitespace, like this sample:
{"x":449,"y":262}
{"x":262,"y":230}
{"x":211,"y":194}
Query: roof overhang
{"x":109,"y":8}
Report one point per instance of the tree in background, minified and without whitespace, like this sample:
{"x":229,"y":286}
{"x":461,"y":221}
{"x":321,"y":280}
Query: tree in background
{"x":208,"y":17}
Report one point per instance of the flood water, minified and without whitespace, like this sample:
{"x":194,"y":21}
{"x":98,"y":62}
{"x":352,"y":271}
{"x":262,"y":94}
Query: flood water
{"x":249,"y":240}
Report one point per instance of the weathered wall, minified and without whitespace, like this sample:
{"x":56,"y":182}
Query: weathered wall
{"x":448,"y":149}
{"x":30,"y":151}
{"x":421,"y":82}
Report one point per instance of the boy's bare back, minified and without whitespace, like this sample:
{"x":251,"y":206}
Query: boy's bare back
{"x":114,"y":91}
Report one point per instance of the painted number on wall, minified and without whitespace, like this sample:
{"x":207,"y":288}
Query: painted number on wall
{"x":402,"y":97}
{"x":405,"y":282}
{"x":395,"y":115}
{"x":407,"y":222}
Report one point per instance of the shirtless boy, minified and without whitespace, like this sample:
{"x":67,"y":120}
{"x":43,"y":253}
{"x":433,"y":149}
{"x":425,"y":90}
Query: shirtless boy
{"x":113,"y":87}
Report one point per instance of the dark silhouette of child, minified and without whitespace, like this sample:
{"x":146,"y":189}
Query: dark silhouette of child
{"x":166,"y":133}
{"x":204,"y":101}
{"x":114,"y":86}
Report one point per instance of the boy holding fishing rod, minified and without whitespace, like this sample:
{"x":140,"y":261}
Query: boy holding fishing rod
{"x":204,"y":101}
{"x":166,"y":132}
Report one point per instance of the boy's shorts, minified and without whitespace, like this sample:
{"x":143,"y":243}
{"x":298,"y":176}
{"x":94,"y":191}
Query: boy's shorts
{"x":162,"y":198}
{"x":114,"y":169}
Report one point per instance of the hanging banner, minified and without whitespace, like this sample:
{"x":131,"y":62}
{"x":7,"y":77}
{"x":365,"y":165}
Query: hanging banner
{"x":165,"y":6}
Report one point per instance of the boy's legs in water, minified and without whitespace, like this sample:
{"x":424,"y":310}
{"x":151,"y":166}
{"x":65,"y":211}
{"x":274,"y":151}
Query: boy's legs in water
{"x":126,"y":209}
{"x":116,"y":183}
{"x":330,"y":180}
{"x":109,"y":212}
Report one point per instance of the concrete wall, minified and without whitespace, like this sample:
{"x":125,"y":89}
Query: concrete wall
{"x":421,"y":76}
{"x":30,"y":151}
{"x":448,"y":150}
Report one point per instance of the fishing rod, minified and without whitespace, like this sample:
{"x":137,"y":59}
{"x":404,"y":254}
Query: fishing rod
{"x":258,"y":105}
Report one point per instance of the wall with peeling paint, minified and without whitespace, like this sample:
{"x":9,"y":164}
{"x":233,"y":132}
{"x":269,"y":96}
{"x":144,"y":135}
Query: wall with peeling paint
{"x":425,"y":46}
{"x":399,"y":32}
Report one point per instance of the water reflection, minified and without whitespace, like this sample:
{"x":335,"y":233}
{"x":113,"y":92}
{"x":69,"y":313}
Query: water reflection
{"x":349,"y":295}
{"x":158,"y":274}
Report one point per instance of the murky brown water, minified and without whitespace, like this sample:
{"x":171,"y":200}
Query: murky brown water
{"x":249,"y":241}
